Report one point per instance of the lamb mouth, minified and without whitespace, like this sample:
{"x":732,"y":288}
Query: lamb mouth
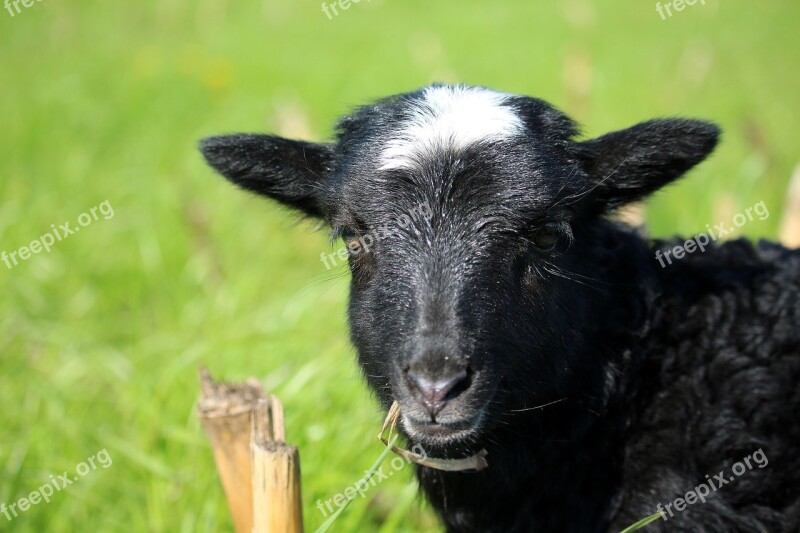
{"x":475,"y":462}
{"x":443,"y":435}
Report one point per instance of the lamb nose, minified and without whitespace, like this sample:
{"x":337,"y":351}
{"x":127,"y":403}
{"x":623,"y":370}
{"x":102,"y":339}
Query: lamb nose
{"x":435,"y":393}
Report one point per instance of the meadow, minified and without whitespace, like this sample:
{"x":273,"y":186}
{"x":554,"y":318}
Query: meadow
{"x":102,"y":335}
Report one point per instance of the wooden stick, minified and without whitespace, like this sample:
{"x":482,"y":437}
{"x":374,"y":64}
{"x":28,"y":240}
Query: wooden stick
{"x":260,"y":473}
{"x":277,"y":501}
{"x":276,"y":417}
{"x":789,"y":233}
{"x":225,"y":411}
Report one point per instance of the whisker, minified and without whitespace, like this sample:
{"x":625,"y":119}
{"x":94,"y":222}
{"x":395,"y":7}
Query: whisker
{"x":538,"y":406}
{"x":578,"y":196}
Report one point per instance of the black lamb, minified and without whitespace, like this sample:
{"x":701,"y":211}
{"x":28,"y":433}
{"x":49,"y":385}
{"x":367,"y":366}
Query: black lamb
{"x":495,"y":299}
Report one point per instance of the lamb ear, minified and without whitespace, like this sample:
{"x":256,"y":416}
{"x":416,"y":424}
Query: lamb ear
{"x":288,"y":171}
{"x":628,"y":165}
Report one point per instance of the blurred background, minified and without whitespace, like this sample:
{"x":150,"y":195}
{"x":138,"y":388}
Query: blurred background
{"x":101,"y":337}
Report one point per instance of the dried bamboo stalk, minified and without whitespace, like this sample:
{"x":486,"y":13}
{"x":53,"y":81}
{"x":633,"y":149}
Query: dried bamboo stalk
{"x":225,"y":412}
{"x":260,"y":473}
{"x":790,"y":224}
{"x":277,"y":501}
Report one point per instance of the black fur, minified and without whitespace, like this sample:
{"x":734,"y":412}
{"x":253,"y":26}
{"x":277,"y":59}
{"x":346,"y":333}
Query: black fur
{"x":649,"y":378}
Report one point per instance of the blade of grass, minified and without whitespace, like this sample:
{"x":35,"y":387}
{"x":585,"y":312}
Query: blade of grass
{"x":371,"y":472}
{"x":641,"y":523}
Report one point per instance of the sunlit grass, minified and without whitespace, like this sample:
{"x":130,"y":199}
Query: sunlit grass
{"x":101,"y":337}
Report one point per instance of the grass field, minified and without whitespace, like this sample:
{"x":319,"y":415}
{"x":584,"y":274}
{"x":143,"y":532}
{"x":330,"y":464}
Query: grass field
{"x":100,"y":338}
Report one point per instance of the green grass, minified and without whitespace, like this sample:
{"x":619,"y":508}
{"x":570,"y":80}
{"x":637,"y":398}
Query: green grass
{"x":642,"y":523}
{"x":100,"y":338}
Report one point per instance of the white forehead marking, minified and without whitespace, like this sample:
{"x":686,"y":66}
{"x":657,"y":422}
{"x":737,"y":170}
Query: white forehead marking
{"x":451,"y":118}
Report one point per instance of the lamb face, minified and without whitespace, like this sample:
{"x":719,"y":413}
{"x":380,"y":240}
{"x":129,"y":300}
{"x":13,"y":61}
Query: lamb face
{"x":450,"y":307}
{"x":472,"y":218}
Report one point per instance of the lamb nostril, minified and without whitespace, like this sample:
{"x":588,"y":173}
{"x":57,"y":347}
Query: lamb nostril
{"x":435,"y":393}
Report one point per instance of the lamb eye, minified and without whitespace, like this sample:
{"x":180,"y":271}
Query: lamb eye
{"x":352,"y":239}
{"x":548,"y":236}
{"x":348,"y":234}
